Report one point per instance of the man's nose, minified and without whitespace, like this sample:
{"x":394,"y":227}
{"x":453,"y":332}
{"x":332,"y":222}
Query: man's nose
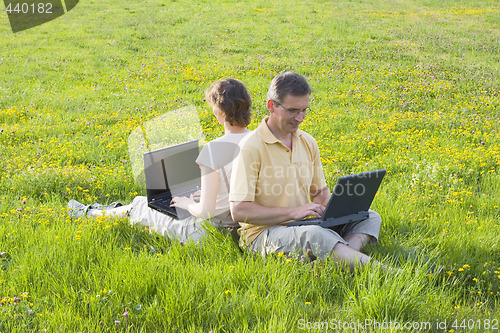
{"x":300,"y":116}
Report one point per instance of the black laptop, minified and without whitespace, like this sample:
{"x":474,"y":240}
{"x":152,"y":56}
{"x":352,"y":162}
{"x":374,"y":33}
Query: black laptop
{"x":171,"y":172}
{"x":350,"y":201}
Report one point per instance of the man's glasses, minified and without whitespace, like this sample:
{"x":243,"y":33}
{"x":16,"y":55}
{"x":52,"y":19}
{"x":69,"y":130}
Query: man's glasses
{"x":295,"y":112}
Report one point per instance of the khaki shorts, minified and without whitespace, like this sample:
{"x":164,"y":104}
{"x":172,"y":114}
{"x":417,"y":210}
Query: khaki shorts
{"x":320,"y":240}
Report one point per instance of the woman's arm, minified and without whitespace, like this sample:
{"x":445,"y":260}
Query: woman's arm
{"x":205,"y":208}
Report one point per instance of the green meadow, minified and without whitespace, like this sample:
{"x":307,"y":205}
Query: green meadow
{"x":408,"y":86}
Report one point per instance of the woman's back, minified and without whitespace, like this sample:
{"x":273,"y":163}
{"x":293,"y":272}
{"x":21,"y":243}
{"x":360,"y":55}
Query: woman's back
{"x":218,"y":155}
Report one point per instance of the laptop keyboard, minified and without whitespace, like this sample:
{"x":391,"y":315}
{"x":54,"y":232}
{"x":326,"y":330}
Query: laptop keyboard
{"x":165,"y":202}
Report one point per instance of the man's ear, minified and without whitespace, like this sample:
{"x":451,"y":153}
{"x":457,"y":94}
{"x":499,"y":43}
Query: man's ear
{"x":270,"y":105}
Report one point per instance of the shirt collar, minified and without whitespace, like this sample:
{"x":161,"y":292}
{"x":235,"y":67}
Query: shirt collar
{"x":269,"y":137}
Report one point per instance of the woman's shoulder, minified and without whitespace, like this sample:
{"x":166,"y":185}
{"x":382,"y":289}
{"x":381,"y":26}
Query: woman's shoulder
{"x":232,"y":138}
{"x":220,"y":151}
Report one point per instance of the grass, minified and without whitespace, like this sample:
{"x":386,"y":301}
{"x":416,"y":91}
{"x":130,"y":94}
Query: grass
{"x":411,"y":87}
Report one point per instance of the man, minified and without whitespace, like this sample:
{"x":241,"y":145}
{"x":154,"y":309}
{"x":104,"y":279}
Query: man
{"x":278,"y":177}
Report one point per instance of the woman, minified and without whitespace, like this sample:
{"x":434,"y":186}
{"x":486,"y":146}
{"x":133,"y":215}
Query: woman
{"x":231,"y":104}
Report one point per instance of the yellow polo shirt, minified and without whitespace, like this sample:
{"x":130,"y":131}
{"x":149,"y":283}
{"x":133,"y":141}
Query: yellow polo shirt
{"x":270,"y":174}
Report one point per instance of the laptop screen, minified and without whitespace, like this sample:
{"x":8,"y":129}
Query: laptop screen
{"x":172,"y":168}
{"x":354,"y":193}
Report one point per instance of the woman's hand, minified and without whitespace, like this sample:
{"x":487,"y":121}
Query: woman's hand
{"x":201,"y":203}
{"x":181,"y":202}
{"x":196,"y":196}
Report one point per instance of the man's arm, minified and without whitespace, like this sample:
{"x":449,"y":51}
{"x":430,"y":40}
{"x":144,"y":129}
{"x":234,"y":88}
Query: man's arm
{"x":321,"y":196}
{"x":250,"y":212}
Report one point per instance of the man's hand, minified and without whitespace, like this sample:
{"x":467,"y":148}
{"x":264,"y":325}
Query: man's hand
{"x":309,"y":209}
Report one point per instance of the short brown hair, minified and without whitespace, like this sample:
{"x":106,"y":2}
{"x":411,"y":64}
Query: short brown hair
{"x":288,"y":83}
{"x":231,"y":97}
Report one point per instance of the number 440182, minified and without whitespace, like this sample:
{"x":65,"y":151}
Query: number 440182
{"x":29,"y":8}
{"x":485,"y":324}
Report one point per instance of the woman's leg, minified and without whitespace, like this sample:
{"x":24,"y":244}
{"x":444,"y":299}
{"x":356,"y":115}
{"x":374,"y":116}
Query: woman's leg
{"x":121,"y":211}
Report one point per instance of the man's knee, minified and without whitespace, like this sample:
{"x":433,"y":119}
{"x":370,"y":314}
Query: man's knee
{"x":374,"y":217}
{"x":320,"y":240}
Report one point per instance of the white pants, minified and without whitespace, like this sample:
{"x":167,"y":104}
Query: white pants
{"x":185,"y":230}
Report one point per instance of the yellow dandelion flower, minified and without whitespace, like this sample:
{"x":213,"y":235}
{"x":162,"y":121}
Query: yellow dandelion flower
{"x":308,"y":303}
{"x":281,"y":254}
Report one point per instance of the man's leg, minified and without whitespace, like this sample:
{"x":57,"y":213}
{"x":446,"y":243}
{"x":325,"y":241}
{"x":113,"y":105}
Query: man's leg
{"x":298,"y":240}
{"x":321,"y":241}
{"x":359,"y":234}
{"x":357,"y":241}
{"x":347,"y":256}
